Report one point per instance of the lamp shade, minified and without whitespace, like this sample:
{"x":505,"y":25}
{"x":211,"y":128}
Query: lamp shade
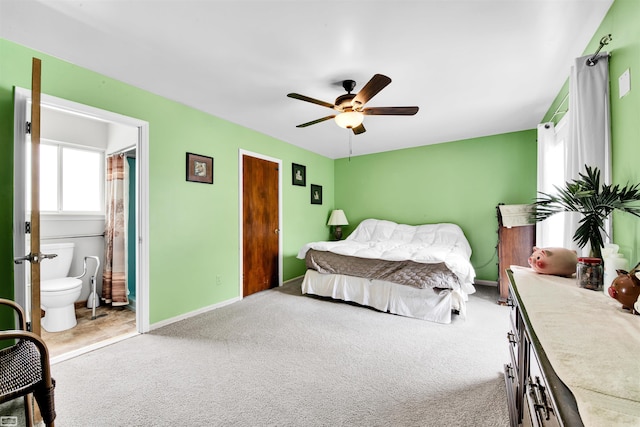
{"x":338,"y":218}
{"x":349,"y":119}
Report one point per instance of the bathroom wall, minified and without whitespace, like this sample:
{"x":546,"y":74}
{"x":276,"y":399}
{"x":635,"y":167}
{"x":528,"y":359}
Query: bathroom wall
{"x":120,"y":137}
{"x":71,"y":128}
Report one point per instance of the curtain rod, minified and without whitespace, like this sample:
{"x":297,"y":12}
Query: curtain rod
{"x":591,"y":61}
{"x":559,"y":106}
{"x":74,"y":236}
{"x":123,"y":151}
{"x":603,"y":42}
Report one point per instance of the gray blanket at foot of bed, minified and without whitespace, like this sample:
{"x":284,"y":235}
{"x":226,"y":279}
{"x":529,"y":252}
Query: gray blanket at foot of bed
{"x":419,"y":275}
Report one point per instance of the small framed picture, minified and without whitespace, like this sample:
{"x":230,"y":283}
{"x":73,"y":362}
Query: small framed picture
{"x":298,"y":175}
{"x":316,"y":194}
{"x":199,"y":168}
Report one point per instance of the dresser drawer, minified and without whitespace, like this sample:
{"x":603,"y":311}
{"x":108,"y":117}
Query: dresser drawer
{"x":514,"y":335}
{"x":513,"y":339}
{"x":539,"y":401}
{"x":511,"y":383}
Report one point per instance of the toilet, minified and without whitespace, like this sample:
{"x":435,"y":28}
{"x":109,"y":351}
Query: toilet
{"x":58,"y":293}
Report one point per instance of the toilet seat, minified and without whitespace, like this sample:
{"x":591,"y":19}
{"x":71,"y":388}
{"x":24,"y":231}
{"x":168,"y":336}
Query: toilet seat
{"x":60,"y":285}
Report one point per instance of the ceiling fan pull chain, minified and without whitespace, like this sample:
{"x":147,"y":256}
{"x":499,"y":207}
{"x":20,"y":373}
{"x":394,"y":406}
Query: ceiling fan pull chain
{"x":350,"y":150}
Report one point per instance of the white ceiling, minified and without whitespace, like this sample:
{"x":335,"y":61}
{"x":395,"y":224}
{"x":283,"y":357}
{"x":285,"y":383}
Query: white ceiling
{"x":474,"y":67}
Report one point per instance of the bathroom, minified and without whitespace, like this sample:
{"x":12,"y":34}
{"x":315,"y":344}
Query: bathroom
{"x":68,"y":136}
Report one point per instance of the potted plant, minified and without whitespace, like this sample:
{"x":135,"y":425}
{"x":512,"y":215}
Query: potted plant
{"x":594,"y":201}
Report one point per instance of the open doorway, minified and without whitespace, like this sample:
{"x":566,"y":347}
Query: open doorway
{"x":70,"y":129}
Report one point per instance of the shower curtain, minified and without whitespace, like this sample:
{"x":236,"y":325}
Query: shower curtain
{"x":114,"y":282}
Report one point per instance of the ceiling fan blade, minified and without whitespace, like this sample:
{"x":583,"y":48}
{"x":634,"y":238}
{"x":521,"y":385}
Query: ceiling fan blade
{"x":373,"y":86}
{"x":390,"y":111}
{"x":358,"y":129}
{"x":308,"y":99}
{"x":304,"y":125}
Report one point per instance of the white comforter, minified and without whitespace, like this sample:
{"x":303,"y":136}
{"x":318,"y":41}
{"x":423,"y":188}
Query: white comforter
{"x":386,"y":240}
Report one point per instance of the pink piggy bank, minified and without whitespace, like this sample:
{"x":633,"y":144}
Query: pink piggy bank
{"x":556,"y":261}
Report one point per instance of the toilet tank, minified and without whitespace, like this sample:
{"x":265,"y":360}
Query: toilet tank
{"x":58,"y":267}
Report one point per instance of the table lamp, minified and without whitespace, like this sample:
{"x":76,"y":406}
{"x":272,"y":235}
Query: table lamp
{"x":337,"y":220}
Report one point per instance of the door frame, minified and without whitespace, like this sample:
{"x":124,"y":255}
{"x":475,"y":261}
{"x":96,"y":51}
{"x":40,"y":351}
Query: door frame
{"x":241,"y":154}
{"x":21,"y":98}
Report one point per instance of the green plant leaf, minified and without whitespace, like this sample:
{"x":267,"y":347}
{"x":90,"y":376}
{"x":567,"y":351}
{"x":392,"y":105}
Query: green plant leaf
{"x":593,"y":201}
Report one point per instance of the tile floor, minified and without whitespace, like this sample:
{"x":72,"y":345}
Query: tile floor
{"x":110,"y":322}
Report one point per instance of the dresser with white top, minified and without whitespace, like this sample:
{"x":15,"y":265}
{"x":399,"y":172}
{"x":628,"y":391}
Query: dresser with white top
{"x":574,"y":355}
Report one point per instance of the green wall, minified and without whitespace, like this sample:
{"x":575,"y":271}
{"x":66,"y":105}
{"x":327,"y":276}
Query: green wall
{"x":622,"y":23}
{"x":193,"y":228}
{"x":460,"y":182}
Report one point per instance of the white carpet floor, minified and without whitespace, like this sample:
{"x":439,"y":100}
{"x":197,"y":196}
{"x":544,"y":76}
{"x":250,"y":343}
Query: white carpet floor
{"x":278,"y":358}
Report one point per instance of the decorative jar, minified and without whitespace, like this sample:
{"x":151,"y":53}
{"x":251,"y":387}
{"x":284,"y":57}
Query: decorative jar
{"x":590,"y":273}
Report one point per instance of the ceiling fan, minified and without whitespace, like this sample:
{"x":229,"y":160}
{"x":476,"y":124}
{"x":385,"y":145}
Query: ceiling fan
{"x":350,"y":107}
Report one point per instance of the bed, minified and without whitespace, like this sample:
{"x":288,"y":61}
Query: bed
{"x":419,"y":271}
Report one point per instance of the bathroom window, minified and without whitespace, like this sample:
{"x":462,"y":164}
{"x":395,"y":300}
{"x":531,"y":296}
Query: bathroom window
{"x":71,"y":179}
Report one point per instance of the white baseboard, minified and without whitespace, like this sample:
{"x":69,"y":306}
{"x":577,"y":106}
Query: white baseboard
{"x":203,"y":310}
{"x":193,"y":313}
{"x":486,"y":282}
{"x":293,"y":279}
{"x":132,"y":303}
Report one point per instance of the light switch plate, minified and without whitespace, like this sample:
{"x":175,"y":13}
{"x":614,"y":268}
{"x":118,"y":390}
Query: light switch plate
{"x":624,"y":83}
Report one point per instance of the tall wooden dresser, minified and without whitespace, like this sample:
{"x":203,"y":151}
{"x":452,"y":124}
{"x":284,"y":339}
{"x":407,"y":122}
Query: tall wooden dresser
{"x":516,"y":238}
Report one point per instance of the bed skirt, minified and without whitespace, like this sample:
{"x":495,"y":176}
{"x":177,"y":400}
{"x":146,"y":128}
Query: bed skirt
{"x":425,"y":304}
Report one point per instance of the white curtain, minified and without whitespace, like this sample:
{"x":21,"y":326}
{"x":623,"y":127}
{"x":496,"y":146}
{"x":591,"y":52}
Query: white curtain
{"x":589,"y":123}
{"x":589,"y":126}
{"x":585,"y":141}
{"x":552,"y":140}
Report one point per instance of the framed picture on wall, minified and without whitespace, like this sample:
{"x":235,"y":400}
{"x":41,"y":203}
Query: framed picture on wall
{"x":298,"y":174}
{"x":316,"y":194}
{"x":199,"y":168}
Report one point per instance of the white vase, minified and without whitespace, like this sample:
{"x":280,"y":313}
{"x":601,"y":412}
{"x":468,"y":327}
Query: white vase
{"x":613,"y":262}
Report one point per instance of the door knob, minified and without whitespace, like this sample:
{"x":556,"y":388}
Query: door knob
{"x":33,"y":258}
{"x":19,"y":260}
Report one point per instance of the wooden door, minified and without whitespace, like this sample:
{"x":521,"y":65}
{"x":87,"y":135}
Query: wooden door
{"x":260,"y":225}
{"x":35,"y":196}
{"x":34,"y":256}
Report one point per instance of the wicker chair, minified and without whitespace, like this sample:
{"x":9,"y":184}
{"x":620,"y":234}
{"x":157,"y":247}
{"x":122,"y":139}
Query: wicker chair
{"x":25,"y":369}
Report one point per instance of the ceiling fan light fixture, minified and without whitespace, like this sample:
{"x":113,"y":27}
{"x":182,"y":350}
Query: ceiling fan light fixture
{"x":349,"y":108}
{"x":349,"y":119}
